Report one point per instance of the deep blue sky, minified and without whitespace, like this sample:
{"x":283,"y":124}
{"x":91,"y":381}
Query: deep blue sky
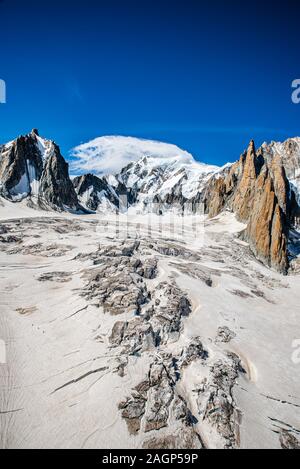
{"x":207,"y":76}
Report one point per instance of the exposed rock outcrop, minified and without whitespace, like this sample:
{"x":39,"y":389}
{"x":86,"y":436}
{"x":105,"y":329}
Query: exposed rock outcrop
{"x":267,"y":230}
{"x":20,"y":165}
{"x":257,"y":190}
{"x":155,"y":404}
{"x":32,"y":167}
{"x":97,"y":193}
{"x":216,"y":403}
{"x":288,"y":440}
{"x":56,"y":188}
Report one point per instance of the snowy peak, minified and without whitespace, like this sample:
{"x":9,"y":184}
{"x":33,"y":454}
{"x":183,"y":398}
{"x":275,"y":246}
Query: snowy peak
{"x":108,"y":155}
{"x":21,"y":166}
{"x":159,"y":176}
{"x":31,"y":166}
{"x":151,"y":171}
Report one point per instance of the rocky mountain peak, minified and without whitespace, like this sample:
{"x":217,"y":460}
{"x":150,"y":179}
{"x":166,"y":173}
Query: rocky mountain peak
{"x":56,"y":188}
{"x":257,"y":189}
{"x":35,"y":132}
{"x":32,"y":167}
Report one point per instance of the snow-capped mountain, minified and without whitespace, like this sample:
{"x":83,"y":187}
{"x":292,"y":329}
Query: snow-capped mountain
{"x":110,"y":154}
{"x":33,"y":167}
{"x":166,"y":182}
{"x":158,"y":173}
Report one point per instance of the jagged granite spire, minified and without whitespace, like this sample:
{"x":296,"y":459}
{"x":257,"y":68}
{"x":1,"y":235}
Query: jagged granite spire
{"x":34,"y":167}
{"x":56,"y":188}
{"x":257,"y":190}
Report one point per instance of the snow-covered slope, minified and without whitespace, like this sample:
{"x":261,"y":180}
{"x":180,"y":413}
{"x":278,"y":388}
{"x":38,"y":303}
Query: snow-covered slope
{"x":154,"y":172}
{"x":151,"y":342}
{"x":109,"y":154}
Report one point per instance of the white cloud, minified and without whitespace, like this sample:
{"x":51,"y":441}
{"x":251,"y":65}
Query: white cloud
{"x":108,"y":155}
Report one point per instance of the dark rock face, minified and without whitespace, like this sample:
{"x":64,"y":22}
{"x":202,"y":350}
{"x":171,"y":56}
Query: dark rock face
{"x":98,"y":189}
{"x":289,"y":155}
{"x":257,"y":190}
{"x":33,"y":167}
{"x":20,"y":163}
{"x":56,"y":188}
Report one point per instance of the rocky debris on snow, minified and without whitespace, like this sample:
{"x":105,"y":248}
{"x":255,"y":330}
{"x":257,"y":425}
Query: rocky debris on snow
{"x":155,"y":405}
{"x":155,"y":325}
{"x":3,"y":229}
{"x":205,"y":274}
{"x":55,"y":277}
{"x":174,"y":250}
{"x":10,"y":239}
{"x":117,"y":288}
{"x":161,"y":394}
{"x":194,"y":351}
{"x":241,"y":294}
{"x":135,"y":336}
{"x":166,"y":313}
{"x":147,"y":269}
{"x":118,"y":282}
{"x":288,"y":440}
{"x":216,"y":403}
{"x":43,"y":250}
{"x":185,"y":438}
{"x":133,"y":408}
{"x":225,"y":335}
{"x":26,"y":311}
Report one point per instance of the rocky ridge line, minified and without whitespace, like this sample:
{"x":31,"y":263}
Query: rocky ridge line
{"x":257,"y":191}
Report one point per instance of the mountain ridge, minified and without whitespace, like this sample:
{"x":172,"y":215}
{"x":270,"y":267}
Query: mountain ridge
{"x":262,"y":188}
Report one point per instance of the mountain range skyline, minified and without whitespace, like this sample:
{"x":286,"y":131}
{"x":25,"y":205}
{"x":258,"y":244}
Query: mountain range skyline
{"x":262,"y":187}
{"x":109,"y":154}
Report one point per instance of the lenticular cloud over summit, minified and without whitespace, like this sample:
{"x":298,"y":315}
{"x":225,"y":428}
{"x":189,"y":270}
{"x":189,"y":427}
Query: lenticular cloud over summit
{"x":108,"y":155}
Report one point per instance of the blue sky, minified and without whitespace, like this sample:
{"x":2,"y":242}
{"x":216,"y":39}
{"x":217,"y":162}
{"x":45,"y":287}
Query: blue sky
{"x":207,"y":76}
